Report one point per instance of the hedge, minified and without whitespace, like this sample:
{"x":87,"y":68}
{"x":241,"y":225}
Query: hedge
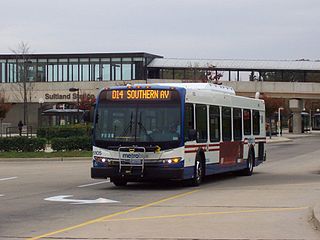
{"x":22,"y":144}
{"x":71,"y":144}
{"x":64,"y":131}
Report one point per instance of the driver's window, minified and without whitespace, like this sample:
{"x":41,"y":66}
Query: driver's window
{"x":188,"y":120}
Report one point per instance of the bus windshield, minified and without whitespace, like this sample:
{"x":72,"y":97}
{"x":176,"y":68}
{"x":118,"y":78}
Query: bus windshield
{"x":148,"y":123}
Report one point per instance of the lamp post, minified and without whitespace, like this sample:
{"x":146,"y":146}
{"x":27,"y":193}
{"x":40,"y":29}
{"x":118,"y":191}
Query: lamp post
{"x":41,"y":101}
{"x":73,"y":89}
{"x":279,"y":120}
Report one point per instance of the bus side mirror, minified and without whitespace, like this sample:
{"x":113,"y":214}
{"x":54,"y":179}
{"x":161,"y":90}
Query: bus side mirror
{"x":192,"y":134}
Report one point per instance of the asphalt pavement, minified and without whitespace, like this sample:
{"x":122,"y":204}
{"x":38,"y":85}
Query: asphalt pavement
{"x":286,"y":137}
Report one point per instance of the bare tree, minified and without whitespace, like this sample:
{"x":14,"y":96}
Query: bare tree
{"x":4,"y":108}
{"x":24,"y":84}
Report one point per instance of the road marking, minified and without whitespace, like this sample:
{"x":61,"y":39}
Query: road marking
{"x":62,"y":198}
{"x":113,"y":215}
{"x":91,"y":184}
{"x":9,"y":178}
{"x":207,"y":213}
{"x":1,"y":195}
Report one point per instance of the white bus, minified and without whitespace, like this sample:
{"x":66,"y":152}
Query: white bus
{"x":175,"y":131}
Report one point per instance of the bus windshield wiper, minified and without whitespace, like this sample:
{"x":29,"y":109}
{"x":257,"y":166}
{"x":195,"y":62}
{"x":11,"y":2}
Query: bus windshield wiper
{"x":141,"y":126}
{"x":129,"y":127}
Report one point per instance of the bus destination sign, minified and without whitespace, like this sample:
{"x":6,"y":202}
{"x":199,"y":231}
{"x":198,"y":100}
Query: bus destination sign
{"x":140,"y":94}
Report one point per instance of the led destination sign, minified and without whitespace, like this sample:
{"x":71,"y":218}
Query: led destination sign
{"x":140,"y":94}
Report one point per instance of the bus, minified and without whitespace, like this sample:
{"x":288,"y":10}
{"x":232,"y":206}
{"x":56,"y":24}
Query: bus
{"x":305,"y":122}
{"x":175,"y":131}
{"x":316,"y":121}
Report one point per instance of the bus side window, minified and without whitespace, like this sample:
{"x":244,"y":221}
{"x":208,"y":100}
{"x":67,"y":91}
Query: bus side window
{"x":214,"y":113}
{"x":256,"y":122}
{"x":247,"y":121}
{"x":237,"y":124}
{"x":201,"y":123}
{"x":226,"y":124}
{"x":188,"y":120}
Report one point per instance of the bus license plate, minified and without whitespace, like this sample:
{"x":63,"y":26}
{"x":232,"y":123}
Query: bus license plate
{"x":135,"y":161}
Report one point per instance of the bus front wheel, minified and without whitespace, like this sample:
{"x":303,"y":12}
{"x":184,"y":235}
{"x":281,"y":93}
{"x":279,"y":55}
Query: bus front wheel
{"x":119,"y":182}
{"x":198,"y":172}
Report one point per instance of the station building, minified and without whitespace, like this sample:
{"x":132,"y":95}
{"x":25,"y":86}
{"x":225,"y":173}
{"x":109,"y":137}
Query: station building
{"x":47,"y":89}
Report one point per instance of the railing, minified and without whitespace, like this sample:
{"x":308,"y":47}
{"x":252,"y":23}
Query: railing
{"x":15,"y":131}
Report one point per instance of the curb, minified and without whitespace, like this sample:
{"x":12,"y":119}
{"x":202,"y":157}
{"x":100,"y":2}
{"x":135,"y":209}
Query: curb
{"x":315,"y":218}
{"x":54,"y":159}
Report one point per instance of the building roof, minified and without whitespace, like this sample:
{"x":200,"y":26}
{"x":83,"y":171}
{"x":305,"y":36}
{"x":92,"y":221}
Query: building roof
{"x":80,"y":55}
{"x":297,"y":65}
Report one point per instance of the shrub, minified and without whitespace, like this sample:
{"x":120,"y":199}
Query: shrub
{"x":71,"y":143}
{"x":64,"y":131}
{"x":22,"y":144}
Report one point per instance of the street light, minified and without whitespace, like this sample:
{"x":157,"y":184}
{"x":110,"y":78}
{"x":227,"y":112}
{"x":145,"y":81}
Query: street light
{"x":41,"y":102}
{"x":73,"y":89}
{"x":279,"y":120}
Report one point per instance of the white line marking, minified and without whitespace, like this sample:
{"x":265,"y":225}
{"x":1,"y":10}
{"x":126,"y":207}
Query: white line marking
{"x":91,"y":184}
{"x":63,"y":198}
{"x":1,"y":195}
{"x":9,"y":178}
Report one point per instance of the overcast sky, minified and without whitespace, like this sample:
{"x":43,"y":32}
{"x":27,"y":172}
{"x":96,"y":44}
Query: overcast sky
{"x":207,"y":29}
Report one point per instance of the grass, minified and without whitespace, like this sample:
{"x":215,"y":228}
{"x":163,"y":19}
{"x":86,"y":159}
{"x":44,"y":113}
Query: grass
{"x":45,"y":154}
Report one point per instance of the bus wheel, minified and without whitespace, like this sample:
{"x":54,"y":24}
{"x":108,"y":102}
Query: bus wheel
{"x":198,"y":172}
{"x":250,"y":162}
{"x":119,"y":182}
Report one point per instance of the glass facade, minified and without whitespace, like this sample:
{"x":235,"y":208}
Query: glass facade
{"x":70,"y":68}
{"x":199,"y":74}
{"x":127,"y":66}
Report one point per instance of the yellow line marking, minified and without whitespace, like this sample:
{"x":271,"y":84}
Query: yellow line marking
{"x":112,"y":215}
{"x":206,"y":213}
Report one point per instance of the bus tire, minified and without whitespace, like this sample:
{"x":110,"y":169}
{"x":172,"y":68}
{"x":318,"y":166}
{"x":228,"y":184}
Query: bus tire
{"x":119,"y":182}
{"x":198,"y":172}
{"x":250,"y":163}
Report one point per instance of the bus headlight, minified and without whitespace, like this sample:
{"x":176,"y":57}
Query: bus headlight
{"x":172,"y":160}
{"x":100,"y":159}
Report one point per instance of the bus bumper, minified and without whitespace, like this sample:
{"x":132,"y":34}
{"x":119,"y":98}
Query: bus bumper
{"x":148,"y":173}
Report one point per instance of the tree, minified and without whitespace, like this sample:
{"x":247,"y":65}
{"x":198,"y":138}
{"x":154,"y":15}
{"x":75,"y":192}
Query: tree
{"x":4,"y":108}
{"x":272,"y":105}
{"x":86,"y":101}
{"x":24,"y":70}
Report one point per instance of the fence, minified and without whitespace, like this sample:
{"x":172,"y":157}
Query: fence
{"x":14,"y":131}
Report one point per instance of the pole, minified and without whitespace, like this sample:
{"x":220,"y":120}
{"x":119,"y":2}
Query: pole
{"x":310,"y":120}
{"x":78,"y":105}
{"x":279,"y":121}
{"x":1,"y":119}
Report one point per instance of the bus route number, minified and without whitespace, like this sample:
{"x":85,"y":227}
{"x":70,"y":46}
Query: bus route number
{"x":117,"y":94}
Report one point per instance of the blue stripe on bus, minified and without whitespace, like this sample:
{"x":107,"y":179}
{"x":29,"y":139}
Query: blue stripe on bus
{"x":214,"y":168}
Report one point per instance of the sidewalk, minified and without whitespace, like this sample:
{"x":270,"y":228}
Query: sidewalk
{"x":53,"y":159}
{"x":316,"y":216}
{"x":288,"y":137}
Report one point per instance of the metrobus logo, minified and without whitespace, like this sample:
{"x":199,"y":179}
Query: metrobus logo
{"x":132,"y":155}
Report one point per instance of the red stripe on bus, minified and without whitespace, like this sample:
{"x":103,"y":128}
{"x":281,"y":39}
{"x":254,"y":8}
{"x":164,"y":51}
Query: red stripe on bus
{"x":214,"y":150}
{"x":194,"y":146}
{"x":213,"y":145}
{"x":191,"y":151}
